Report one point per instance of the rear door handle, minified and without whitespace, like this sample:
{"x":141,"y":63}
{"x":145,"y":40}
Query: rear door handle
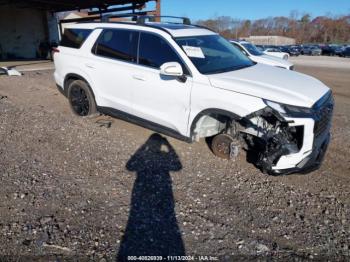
{"x":139,"y":77}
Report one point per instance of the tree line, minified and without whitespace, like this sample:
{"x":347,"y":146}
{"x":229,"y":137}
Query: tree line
{"x":322,"y":29}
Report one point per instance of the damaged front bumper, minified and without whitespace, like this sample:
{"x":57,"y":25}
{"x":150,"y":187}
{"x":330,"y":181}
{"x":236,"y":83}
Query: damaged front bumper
{"x":316,"y":138}
{"x":306,"y":160}
{"x":290,"y":143}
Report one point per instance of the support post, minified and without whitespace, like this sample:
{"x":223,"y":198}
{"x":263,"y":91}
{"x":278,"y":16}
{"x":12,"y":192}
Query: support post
{"x":158,"y":10}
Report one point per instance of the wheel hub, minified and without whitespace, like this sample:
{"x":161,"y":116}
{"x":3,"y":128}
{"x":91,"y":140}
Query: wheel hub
{"x":225,"y":146}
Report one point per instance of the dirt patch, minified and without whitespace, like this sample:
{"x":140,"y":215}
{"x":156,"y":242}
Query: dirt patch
{"x":326,"y":62}
{"x":103,"y":188}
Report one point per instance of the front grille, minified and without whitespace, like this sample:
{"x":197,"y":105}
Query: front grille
{"x":323,"y":115}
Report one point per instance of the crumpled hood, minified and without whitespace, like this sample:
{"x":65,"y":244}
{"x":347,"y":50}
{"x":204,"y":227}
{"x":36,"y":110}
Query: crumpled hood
{"x":272,"y":83}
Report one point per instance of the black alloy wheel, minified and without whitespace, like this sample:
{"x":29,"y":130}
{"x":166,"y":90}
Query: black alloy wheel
{"x":81,"y":99}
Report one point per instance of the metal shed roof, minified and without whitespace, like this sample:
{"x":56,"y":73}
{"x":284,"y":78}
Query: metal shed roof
{"x":68,"y":5}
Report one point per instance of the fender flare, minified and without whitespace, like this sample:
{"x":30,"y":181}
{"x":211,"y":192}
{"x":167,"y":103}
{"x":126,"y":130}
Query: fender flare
{"x":78,"y":77}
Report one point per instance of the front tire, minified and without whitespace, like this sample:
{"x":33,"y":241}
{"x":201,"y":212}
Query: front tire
{"x":81,"y":98}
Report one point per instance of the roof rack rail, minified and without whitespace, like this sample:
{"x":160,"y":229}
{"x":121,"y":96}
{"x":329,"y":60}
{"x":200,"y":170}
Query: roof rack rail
{"x":106,"y":18}
{"x":152,"y":18}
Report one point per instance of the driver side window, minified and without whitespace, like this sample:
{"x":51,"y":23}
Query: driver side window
{"x":155,"y":51}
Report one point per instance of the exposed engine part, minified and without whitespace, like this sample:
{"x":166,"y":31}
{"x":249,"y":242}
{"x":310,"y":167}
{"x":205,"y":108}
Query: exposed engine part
{"x":266,"y":134}
{"x":225,"y":146}
{"x":270,"y":137}
{"x":275,"y":147}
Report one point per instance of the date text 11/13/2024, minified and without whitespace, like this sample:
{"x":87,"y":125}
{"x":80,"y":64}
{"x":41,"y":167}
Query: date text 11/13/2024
{"x":172,"y":258}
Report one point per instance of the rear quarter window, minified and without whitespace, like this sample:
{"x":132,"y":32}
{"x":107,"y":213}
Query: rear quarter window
{"x":117,"y":44}
{"x":74,"y":38}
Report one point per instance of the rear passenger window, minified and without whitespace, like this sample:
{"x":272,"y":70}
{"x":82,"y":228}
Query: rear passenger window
{"x":155,"y":51}
{"x":117,"y":44}
{"x":74,"y":38}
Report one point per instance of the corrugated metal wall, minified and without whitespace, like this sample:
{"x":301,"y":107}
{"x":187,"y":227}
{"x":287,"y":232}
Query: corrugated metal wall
{"x":22,"y":30}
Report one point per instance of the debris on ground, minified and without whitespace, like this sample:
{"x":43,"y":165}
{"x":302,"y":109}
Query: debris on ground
{"x":9,"y":71}
{"x":105,"y":122}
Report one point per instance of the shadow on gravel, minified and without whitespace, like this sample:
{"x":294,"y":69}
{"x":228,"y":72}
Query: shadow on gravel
{"x":152,"y":227}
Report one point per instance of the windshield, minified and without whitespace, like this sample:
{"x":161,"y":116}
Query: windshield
{"x":252,"y":49}
{"x":213,"y":54}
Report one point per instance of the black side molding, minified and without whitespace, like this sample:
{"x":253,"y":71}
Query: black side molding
{"x":144,"y":123}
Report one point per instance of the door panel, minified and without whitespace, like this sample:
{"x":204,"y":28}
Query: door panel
{"x":164,"y":100}
{"x":161,"y":99}
{"x":112,"y":65}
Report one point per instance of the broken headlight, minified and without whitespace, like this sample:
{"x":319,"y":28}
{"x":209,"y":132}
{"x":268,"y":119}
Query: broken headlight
{"x":289,"y":110}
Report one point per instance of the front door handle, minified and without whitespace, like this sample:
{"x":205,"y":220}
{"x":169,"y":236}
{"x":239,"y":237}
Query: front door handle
{"x":139,"y":77}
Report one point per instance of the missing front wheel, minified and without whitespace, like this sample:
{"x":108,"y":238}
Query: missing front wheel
{"x":225,"y":146}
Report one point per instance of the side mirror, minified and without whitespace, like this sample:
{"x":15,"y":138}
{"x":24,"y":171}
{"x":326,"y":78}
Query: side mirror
{"x":171,"y":69}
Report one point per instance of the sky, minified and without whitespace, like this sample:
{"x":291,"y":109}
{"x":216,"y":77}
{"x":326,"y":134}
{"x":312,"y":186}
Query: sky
{"x":252,"y":9}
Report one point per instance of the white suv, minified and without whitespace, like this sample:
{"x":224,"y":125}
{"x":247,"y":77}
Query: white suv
{"x":274,"y":51}
{"x":258,"y":56}
{"x":188,"y":82}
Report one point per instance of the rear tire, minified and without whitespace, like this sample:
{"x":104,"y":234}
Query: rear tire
{"x":81,"y":98}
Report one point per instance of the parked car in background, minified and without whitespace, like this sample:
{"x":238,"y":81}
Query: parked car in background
{"x":311,"y":50}
{"x":345,"y":52}
{"x":315,"y":50}
{"x":294,"y":50}
{"x":305,"y":50}
{"x":338,"y":50}
{"x":274,"y":51}
{"x":327,"y":50}
{"x":260,"y":48}
{"x":256,"y":55}
{"x":291,"y":50}
{"x":331,"y":50}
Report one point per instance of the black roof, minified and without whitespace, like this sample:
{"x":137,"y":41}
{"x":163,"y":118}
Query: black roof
{"x":69,"y":5}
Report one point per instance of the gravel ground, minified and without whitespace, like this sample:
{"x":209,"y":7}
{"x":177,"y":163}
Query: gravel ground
{"x":100,"y":188}
{"x":333,"y":62}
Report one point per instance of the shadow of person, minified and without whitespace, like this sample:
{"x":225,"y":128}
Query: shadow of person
{"x":152,"y":227}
